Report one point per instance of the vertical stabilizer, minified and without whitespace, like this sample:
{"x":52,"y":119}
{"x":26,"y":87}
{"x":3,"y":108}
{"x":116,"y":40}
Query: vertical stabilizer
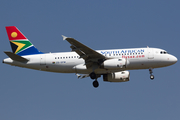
{"x":19,"y":43}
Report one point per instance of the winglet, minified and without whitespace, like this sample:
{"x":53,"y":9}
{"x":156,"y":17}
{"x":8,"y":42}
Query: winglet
{"x":64,"y":37}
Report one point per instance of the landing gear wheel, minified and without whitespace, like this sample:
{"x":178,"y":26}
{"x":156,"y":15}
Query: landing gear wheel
{"x":92,"y":75}
{"x":95,"y":84}
{"x":152,"y":77}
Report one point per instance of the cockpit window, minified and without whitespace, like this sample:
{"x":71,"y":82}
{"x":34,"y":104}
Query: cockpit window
{"x":163,"y":52}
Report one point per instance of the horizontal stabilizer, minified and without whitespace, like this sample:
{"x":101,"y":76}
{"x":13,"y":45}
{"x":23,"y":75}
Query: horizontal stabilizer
{"x":15,"y":57}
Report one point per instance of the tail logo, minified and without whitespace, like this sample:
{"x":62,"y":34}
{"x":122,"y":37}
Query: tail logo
{"x":14,"y":34}
{"x":19,"y":43}
{"x":19,"y":46}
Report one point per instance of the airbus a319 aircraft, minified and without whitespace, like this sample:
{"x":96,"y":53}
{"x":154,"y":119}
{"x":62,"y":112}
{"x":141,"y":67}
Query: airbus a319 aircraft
{"x":111,"y":64}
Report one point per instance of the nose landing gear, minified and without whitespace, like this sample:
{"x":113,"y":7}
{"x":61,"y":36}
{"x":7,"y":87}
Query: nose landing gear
{"x":151,"y":76}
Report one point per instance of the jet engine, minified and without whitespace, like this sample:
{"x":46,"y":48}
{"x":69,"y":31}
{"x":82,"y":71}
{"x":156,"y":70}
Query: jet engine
{"x":122,"y":76}
{"x":115,"y":63}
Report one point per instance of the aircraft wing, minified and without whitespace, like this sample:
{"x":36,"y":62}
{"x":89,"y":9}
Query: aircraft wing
{"x":89,"y":55}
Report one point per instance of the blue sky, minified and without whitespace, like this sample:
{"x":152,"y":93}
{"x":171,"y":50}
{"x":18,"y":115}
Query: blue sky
{"x":99,"y":24}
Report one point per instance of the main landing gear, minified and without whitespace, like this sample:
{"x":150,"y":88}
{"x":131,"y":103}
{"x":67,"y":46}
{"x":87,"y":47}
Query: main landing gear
{"x":151,"y":76}
{"x":94,"y":76}
{"x":96,"y":83}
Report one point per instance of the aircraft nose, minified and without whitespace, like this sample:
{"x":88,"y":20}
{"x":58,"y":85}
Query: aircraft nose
{"x":173,"y":59}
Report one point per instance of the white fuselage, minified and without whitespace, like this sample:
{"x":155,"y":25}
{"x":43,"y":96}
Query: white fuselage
{"x":69,"y":62}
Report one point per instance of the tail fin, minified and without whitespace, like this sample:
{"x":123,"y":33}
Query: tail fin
{"x":19,"y":43}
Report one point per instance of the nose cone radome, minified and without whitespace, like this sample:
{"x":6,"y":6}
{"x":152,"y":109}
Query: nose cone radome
{"x":173,"y":59}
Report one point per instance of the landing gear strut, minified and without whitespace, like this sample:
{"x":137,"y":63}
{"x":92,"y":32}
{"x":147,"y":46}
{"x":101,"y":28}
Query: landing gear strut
{"x":151,"y":76}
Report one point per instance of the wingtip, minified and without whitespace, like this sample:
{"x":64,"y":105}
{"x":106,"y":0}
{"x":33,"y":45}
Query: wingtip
{"x":64,"y":37}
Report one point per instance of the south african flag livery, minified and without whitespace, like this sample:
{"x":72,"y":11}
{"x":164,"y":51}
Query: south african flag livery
{"x":19,"y":43}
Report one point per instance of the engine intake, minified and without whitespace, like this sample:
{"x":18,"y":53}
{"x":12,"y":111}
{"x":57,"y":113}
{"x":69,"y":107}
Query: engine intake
{"x":122,"y":76}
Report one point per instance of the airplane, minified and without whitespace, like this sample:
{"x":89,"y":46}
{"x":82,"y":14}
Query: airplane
{"x":83,"y":61}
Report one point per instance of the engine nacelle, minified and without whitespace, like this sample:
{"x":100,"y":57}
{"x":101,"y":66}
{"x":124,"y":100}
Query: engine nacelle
{"x":122,"y":76}
{"x":115,"y":63}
